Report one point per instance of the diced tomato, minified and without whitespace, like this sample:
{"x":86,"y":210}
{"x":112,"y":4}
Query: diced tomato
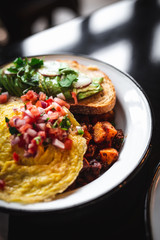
{"x":53,"y":116}
{"x":62,"y":112}
{"x":38,"y":104}
{"x":42,"y":96}
{"x":61,"y":102}
{"x":38,"y":116}
{"x":3,"y":98}
{"x":74,"y":96}
{"x":57,"y":107}
{"x":68,"y":144}
{"x":29,"y":119}
{"x":24,"y":98}
{"x":35,"y":112}
{"x":49,"y":101}
{"x":42,"y":134}
{"x":2,"y":184}
{"x":32,"y":150}
{"x":29,"y":105}
{"x":24,"y":128}
{"x":58,"y":133}
{"x":53,"y":106}
{"x":15,"y":157}
{"x":30,"y":96}
{"x":53,"y":131}
{"x":32,"y":147}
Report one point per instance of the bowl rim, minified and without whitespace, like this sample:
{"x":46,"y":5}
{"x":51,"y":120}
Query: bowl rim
{"x":147,"y":215}
{"x":141,"y":163}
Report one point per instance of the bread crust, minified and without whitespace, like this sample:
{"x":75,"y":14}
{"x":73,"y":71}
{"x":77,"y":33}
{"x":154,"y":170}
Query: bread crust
{"x":99,"y":103}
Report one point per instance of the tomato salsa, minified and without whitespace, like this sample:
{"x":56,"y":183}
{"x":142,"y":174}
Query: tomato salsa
{"x":41,"y":121}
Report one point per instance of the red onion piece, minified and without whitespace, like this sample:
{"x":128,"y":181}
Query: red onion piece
{"x":31,"y":132}
{"x":27,"y":112}
{"x":44,"y":104}
{"x":58,"y":143}
{"x":15,"y":140}
{"x":41,"y":110}
{"x":41,"y":126}
{"x":26,"y":138}
{"x":42,"y":118}
{"x":20,"y":122}
{"x":30,"y":145}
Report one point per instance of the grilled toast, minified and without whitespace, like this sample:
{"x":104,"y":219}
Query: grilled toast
{"x":98,"y":103}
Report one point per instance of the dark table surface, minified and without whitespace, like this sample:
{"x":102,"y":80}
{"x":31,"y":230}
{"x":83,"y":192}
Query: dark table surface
{"x":127,"y":35}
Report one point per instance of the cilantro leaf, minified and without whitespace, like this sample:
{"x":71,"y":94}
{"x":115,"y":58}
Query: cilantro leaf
{"x":36,"y":63}
{"x":19,"y":62}
{"x":24,"y":76}
{"x":65,"y":124}
{"x":68,"y":80}
{"x":6,"y":119}
{"x":23,"y":65}
{"x":67,"y":71}
{"x":12,"y":130}
{"x":13,"y":69}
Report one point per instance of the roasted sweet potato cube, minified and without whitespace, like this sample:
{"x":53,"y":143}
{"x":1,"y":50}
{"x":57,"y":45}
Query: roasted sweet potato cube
{"x":111,"y":131}
{"x":99,"y":133}
{"x":109,"y":155}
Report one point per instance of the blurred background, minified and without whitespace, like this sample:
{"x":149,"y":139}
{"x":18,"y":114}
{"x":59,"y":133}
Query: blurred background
{"x":20,"y":19}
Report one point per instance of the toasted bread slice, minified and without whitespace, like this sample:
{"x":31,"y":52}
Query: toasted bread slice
{"x":99,"y":103}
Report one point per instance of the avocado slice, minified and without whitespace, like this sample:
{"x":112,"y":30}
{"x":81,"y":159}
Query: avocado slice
{"x":88,"y":91}
{"x":52,"y":85}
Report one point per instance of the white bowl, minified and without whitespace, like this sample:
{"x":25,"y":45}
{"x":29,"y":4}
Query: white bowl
{"x":133,"y":116}
{"x":152,"y":207}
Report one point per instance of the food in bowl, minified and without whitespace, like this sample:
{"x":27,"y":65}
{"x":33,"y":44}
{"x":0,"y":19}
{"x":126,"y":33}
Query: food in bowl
{"x":37,"y":160}
{"x":44,"y":150}
{"x":90,"y":88}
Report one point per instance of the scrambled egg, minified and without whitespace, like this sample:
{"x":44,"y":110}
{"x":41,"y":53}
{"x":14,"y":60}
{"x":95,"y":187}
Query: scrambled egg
{"x":40,"y":178}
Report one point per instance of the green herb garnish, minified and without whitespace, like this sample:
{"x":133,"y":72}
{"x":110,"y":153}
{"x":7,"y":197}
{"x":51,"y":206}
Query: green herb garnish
{"x":24,"y":76}
{"x":67,"y":80}
{"x":38,"y":140}
{"x":12,"y":130}
{"x":47,"y":119}
{"x":65,"y":124}
{"x":55,"y":124}
{"x":80,"y":131}
{"x":7,"y":120}
{"x":36,"y":63}
{"x":25,"y":65}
